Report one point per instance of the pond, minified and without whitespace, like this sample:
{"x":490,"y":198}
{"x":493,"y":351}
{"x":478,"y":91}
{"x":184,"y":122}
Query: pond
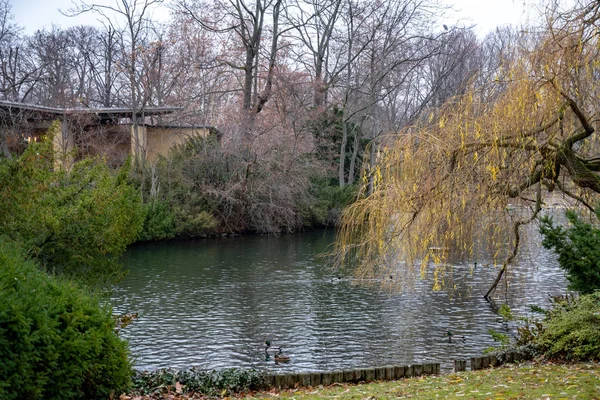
{"x":212,"y":303}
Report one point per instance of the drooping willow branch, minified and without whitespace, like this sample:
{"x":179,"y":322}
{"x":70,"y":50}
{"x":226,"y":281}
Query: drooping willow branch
{"x":516,"y":227}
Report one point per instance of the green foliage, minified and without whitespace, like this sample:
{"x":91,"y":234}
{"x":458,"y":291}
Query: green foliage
{"x":502,"y":338}
{"x":506,"y":313}
{"x":56,"y":342}
{"x":159,"y":223}
{"x":571,"y":330}
{"x":328,"y":129}
{"x":538,"y":309}
{"x":77,"y":222}
{"x":578,"y":249}
{"x":211,"y":383}
{"x":330,"y":201}
{"x":195,"y":224}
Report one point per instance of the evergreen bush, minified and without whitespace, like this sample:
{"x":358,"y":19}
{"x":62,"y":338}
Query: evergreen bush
{"x":578,"y":249}
{"x":159,"y":222}
{"x":56,"y":341}
{"x":74,"y":223}
{"x":571,"y":330}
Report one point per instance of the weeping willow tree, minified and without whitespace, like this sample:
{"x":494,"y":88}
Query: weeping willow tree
{"x":485,"y":163}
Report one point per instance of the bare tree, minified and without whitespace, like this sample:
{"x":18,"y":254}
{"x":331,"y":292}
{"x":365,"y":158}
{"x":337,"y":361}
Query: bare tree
{"x":247,"y":21}
{"x":19,"y":73}
{"x":315,"y":22}
{"x":129,"y":19}
{"x":394,"y":39}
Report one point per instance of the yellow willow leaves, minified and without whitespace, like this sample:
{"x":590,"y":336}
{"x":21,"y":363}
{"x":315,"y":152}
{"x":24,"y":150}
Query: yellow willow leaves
{"x":443,"y":183}
{"x":436,"y":280}
{"x":493,"y":170}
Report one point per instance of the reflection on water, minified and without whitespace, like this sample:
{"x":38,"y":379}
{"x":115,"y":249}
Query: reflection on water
{"x":212,"y":303}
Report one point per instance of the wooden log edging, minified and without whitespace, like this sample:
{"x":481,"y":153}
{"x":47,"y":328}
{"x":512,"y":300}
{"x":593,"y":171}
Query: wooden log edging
{"x":493,"y":360}
{"x":385,"y":373}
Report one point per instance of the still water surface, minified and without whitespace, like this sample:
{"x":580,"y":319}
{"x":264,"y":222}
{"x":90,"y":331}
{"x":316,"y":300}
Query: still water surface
{"x":212,"y":303}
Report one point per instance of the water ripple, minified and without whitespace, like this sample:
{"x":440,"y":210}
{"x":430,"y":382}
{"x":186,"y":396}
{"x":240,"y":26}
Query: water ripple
{"x":212,"y":303}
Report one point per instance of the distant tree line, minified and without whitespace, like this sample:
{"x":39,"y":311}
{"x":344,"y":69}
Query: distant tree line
{"x":265,"y":71}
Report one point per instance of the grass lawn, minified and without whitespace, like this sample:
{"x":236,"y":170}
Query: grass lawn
{"x":525,"y":381}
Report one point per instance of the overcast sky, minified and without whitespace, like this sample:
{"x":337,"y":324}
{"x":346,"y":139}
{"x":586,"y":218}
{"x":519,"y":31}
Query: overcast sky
{"x":485,"y":14}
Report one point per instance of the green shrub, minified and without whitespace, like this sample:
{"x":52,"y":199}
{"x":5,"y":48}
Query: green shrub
{"x":330,"y":200}
{"x":196,"y":224}
{"x":571,"y":330}
{"x":56,"y":342}
{"x":159,"y":222}
{"x":76,"y":223}
{"x":578,"y":249}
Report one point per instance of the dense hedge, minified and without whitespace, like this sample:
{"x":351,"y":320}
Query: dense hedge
{"x":56,"y":341}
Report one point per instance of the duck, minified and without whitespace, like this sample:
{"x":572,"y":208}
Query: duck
{"x":280,"y":358}
{"x":271,"y":349}
{"x":452,"y":335}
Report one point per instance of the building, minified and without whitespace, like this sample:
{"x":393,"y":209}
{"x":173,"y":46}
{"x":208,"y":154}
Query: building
{"x":109,"y":132}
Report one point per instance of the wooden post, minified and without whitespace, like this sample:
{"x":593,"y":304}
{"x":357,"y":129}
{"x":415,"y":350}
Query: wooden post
{"x":380,"y":373}
{"x":282,"y":381}
{"x":304,"y":379}
{"x":294,"y":380}
{"x":315,"y":379}
{"x":269,"y":380}
{"x":398,"y":372}
{"x":337,"y":376}
{"x":494,"y":362}
{"x":389,"y":373}
{"x":475,"y":363}
{"x":349,"y":376}
{"x":418,"y":370}
{"x":460,"y":365}
{"x":360,"y":375}
{"x":485,"y":362}
{"x":369,"y":375}
{"x":326,"y":378}
{"x":427,"y":369}
{"x":409,"y":372}
{"x":510,"y":357}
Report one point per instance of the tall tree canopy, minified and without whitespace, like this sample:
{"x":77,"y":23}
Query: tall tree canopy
{"x":454,"y":176}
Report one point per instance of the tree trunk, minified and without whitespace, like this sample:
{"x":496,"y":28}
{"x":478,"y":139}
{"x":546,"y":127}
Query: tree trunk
{"x":354,"y":157}
{"x":343,"y":153}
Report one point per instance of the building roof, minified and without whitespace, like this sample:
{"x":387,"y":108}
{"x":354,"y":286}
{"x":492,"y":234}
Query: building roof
{"x":211,"y":128}
{"x":102,"y":114}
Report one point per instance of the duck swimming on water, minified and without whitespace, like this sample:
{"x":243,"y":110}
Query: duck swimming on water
{"x":280,"y":358}
{"x":452,"y":335}
{"x":272,"y":349}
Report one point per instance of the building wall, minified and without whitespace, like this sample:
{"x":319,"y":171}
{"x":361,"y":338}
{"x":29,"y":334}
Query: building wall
{"x":114,"y":142}
{"x":161,"y":140}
